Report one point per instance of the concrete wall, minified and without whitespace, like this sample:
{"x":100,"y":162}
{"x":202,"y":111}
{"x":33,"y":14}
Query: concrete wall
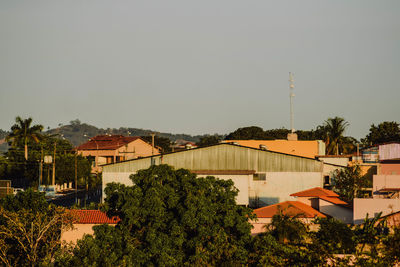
{"x":372,"y":206}
{"x":385,"y":181}
{"x":338,"y":212}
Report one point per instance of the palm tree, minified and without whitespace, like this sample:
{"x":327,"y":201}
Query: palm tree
{"x":334,"y":130}
{"x":22,"y":133}
{"x":286,"y":228}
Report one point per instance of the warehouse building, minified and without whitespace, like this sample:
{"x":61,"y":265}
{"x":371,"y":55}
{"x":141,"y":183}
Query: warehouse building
{"x":263,"y":177}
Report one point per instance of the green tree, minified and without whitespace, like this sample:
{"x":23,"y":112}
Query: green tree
{"x":369,"y":235}
{"x":22,"y":133}
{"x":334,"y":134}
{"x":267,"y":250}
{"x":286,"y":228}
{"x":387,"y":131}
{"x":209,"y":140}
{"x":334,"y":236}
{"x":171,"y":217}
{"x":392,"y":247}
{"x":348,"y":183}
{"x":247,"y":133}
{"x":26,"y":173}
{"x":30,"y":229}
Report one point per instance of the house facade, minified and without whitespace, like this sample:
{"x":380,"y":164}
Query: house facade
{"x":106,"y":149}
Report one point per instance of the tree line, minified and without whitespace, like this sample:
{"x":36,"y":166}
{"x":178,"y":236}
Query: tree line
{"x":28,"y":143}
{"x":332,"y":132}
{"x":23,"y":162}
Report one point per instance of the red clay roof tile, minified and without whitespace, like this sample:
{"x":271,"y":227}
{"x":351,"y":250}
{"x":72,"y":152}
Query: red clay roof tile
{"x":315,"y":192}
{"x":92,"y":217}
{"x":291,"y":208}
{"x":107,"y":142}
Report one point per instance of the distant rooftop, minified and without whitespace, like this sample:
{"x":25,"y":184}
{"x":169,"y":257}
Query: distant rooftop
{"x":107,"y":142}
{"x":291,"y":208}
{"x":321,"y":193}
{"x":92,"y":217}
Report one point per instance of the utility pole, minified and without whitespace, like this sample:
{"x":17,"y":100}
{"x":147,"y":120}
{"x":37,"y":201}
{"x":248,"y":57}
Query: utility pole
{"x":41,"y":167}
{"x":291,"y":95}
{"x":76,"y":178}
{"x":54,"y":164}
{"x":152,"y":144}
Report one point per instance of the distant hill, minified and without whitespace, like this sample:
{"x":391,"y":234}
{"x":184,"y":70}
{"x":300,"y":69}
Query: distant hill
{"x":78,"y":133}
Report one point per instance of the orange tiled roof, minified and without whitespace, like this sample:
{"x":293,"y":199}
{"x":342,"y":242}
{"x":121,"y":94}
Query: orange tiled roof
{"x":291,"y":208}
{"x":107,"y":142}
{"x":92,"y":217}
{"x":315,"y":192}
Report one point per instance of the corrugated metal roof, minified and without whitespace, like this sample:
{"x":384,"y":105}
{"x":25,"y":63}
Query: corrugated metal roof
{"x":223,"y":157}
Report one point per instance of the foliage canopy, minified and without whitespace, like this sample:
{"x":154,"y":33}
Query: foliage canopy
{"x":171,"y":217}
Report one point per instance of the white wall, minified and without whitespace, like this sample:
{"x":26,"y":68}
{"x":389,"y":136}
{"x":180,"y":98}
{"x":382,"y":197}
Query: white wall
{"x":337,"y":161}
{"x":116,"y":177}
{"x":340,"y":213}
{"x":373,"y":206}
{"x":279,"y":185}
{"x":241,"y":182}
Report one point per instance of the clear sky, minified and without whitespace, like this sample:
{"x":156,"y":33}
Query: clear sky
{"x":198,"y":67}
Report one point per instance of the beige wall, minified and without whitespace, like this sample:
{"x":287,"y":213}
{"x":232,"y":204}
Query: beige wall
{"x":385,"y":181}
{"x":372,"y":206}
{"x":71,"y":236}
{"x":260,"y":224}
{"x":133,"y":150}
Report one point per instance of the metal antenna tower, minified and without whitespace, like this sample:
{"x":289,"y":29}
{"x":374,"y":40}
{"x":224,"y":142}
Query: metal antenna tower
{"x":291,"y":95}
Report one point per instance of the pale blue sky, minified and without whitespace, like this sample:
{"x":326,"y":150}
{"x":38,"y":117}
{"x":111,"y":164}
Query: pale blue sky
{"x":199,"y":66}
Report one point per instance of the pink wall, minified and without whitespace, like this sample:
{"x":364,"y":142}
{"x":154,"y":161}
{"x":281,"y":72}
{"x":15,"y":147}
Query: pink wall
{"x":389,"y":169}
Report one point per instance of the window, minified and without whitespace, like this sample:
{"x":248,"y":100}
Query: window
{"x":259,"y":176}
